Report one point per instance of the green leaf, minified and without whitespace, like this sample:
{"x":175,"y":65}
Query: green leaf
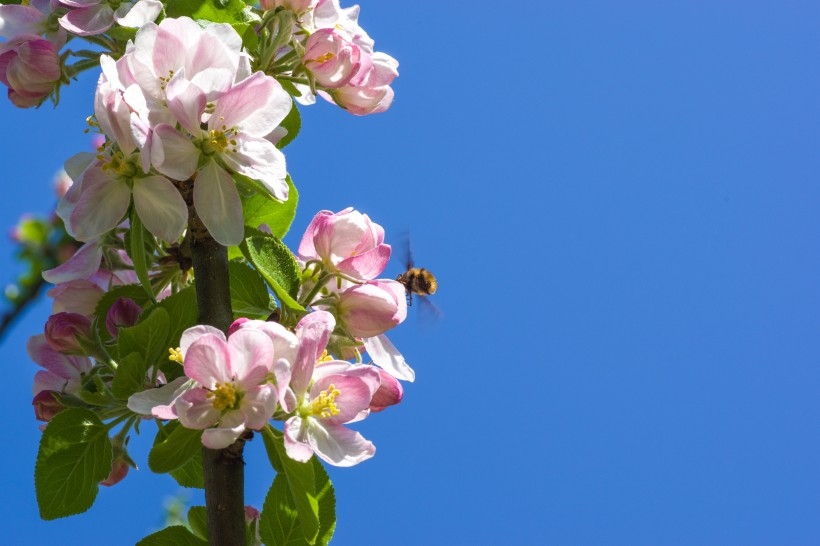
{"x":174,"y":450}
{"x":326,"y":496}
{"x":234,"y":12}
{"x":301,"y":483}
{"x":149,"y":337}
{"x":274,"y":261}
{"x":75,"y":455}
{"x":190,"y":474}
{"x":176,"y":535}
{"x":293,"y":123}
{"x":249,"y":293}
{"x":182,"y":314}
{"x":130,"y":376}
{"x":198,"y":520}
{"x":135,"y":245}
{"x":279,"y":523}
{"x":259,"y":209}
{"x":122,"y":34}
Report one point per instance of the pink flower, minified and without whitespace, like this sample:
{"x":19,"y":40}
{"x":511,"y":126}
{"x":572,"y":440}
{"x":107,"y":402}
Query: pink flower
{"x":331,"y":58}
{"x":90,"y":17}
{"x":30,"y":67}
{"x":62,"y":373}
{"x":235,"y":138}
{"x":32,"y":18}
{"x":369,"y":92}
{"x":346,"y":242}
{"x":232,"y":393}
{"x":372,"y":308}
{"x":77,"y":296}
{"x":328,"y":394}
{"x":65,"y":332}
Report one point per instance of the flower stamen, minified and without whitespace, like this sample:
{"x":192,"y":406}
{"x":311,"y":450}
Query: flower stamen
{"x":324,"y":405}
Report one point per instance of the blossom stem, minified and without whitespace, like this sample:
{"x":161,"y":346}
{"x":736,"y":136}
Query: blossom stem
{"x":223,"y":468}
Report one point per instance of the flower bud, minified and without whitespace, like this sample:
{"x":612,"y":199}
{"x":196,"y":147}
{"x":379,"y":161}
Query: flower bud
{"x":347,"y":242}
{"x":390,"y":392}
{"x":30,"y":67}
{"x":46,"y":405}
{"x":370,"y":309}
{"x":119,"y":466}
{"x":331,"y":58}
{"x":369,"y":92}
{"x":122,"y":314}
{"x":65,"y":333}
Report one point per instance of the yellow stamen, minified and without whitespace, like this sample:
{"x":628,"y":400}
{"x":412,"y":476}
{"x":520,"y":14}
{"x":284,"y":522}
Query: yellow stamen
{"x":176,"y":355}
{"x":321,"y":59}
{"x":224,"y":396}
{"x":326,"y":357}
{"x":325,"y":404}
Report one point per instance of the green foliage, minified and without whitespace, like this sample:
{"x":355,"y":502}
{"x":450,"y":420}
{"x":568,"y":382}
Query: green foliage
{"x":75,"y":455}
{"x":176,"y":535}
{"x":259,"y":209}
{"x":249,"y":293}
{"x":130,"y":376}
{"x":274,"y":261}
{"x":293,"y":124}
{"x":174,"y":449}
{"x":234,"y":12}
{"x":300,"y":507}
{"x":198,"y":521}
{"x":149,"y":337}
{"x":190,"y":474}
{"x":182,"y":313}
{"x":135,"y":240}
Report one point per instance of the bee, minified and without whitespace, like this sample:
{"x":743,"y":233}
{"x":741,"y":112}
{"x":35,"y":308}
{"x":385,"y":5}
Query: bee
{"x":417,"y":280}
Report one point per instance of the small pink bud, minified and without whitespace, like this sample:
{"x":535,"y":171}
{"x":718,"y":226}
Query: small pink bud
{"x":331,"y":58}
{"x":119,"y":469}
{"x":30,"y":67}
{"x":46,"y":405}
{"x":346,"y":241}
{"x":122,"y":314}
{"x":370,"y":309}
{"x":65,"y":332}
{"x":389,"y":393}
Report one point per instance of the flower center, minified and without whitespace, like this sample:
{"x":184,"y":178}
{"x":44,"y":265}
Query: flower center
{"x":322,"y":59}
{"x":324,"y":405}
{"x":224,"y":396}
{"x":219,"y":141}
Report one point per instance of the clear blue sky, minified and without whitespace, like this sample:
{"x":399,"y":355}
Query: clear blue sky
{"x":621,"y":202}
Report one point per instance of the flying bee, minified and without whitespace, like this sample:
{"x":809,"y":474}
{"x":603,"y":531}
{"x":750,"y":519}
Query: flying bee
{"x":417,"y":280}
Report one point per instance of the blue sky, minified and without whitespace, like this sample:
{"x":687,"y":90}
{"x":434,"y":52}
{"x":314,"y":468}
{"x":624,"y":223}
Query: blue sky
{"x":620,"y":201}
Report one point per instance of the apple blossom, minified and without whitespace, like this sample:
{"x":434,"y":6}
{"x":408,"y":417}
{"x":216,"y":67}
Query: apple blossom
{"x":331,"y":58}
{"x":90,"y":17}
{"x":33,"y":17}
{"x":232,"y":393}
{"x":329,"y":394}
{"x":234,"y":140}
{"x":372,"y":308}
{"x":62,"y":373}
{"x":30,"y":67}
{"x":46,"y":405}
{"x":369,"y":92}
{"x":347,"y":242}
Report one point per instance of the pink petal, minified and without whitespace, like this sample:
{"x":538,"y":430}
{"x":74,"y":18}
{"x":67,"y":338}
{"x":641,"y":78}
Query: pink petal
{"x":221,"y":437}
{"x":256,"y":104}
{"x":160,"y":207}
{"x":172,"y":153}
{"x":296,"y":445}
{"x":101,"y":207}
{"x":258,"y":406}
{"x":338,"y":445}
{"x":387,"y":357}
{"x":84,"y":263}
{"x":251,"y":356}
{"x":354,"y":396}
{"x":208,"y":361}
{"x":87,"y":21}
{"x":217,"y":202}
{"x":195,"y":410}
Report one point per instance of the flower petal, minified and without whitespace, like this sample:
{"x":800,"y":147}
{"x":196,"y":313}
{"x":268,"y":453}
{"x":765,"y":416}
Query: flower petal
{"x":208,"y":361}
{"x":386,"y":356}
{"x":338,"y":445}
{"x":217,"y":202}
{"x":160,"y":207}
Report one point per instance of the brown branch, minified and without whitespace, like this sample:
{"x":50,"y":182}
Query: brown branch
{"x":223,"y":468}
